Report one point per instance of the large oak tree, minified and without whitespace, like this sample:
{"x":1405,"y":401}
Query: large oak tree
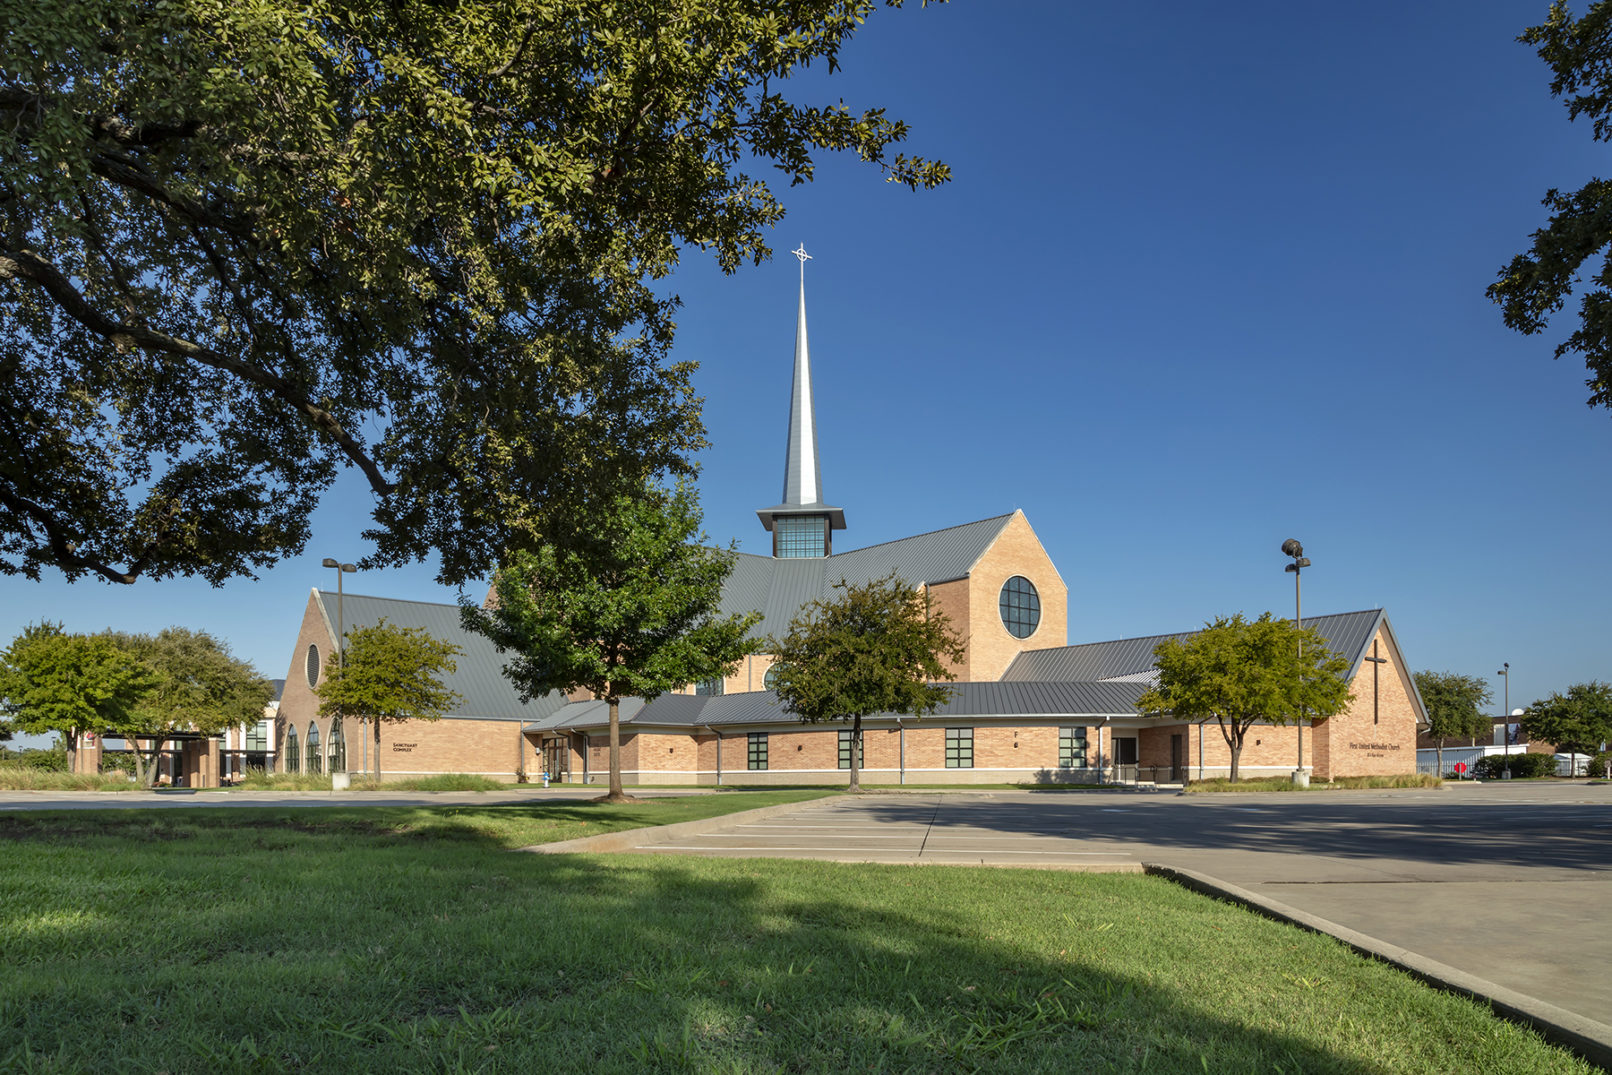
{"x":247,"y":243}
{"x":1574,"y":243}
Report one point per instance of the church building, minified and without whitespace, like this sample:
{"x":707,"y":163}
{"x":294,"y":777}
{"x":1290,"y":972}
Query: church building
{"x":1026,"y":706}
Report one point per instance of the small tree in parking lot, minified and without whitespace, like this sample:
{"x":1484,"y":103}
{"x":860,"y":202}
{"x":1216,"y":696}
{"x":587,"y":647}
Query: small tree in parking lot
{"x":1579,"y":721}
{"x":877,"y":648}
{"x":1454,"y":707}
{"x":1239,"y":672}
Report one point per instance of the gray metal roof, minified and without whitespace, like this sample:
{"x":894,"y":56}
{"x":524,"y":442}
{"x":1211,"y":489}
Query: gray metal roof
{"x":1347,"y":634}
{"x":778,"y":588}
{"x":972,"y":700}
{"x":479,"y":676}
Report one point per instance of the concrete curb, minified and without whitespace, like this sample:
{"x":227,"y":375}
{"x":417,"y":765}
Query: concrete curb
{"x":627,"y":839}
{"x":1586,"y":1037}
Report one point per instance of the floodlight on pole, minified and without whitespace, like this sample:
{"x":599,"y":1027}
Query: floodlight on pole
{"x":1291,"y":548}
{"x":1505,"y":722}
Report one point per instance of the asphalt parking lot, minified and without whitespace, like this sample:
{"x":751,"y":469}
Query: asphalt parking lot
{"x":1511,"y":883}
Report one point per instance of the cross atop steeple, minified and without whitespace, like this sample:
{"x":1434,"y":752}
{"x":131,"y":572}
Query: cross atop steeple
{"x":802,"y":523}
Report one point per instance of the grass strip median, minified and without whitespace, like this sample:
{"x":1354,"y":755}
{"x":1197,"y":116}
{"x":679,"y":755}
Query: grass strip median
{"x":345,"y":939}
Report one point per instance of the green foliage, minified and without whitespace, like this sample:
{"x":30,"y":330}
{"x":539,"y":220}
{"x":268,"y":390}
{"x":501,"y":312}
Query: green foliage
{"x":1600,"y":765}
{"x":1239,"y":672}
{"x":52,"y":681}
{"x":876,"y":648}
{"x":1535,"y":285}
{"x":390,"y":673}
{"x":1345,"y":783}
{"x":248,"y":244}
{"x":1454,"y":704}
{"x":1578,"y":722}
{"x":630,"y":612}
{"x":195,"y":685}
{"x":1523,"y":766}
{"x":52,"y":759}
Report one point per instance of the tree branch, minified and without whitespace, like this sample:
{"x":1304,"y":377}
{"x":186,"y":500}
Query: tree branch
{"x":22,"y":264}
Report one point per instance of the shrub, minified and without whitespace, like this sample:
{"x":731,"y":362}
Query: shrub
{"x":1600,"y":764}
{"x":51,"y":759}
{"x":1523,"y":766}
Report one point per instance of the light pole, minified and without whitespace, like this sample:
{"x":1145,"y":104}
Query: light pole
{"x":1292,"y":548}
{"x":1505,"y":721}
{"x":342,"y":569}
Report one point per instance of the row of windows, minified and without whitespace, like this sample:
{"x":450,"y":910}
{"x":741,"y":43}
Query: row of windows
{"x":316,"y":760}
{"x":959,"y":749}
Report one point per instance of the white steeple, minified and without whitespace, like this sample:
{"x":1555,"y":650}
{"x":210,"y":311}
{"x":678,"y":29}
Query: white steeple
{"x":803,"y":477}
{"x":809,"y":520}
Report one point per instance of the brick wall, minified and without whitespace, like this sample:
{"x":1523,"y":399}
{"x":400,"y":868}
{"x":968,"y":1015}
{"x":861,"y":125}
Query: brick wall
{"x":1367,"y":740}
{"x":1016,"y":551}
{"x":952,"y":599}
{"x":298,"y":704}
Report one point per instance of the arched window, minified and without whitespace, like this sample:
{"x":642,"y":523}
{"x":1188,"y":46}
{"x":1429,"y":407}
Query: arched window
{"x":315,"y":762}
{"x":338,"y":748}
{"x":770,"y":680}
{"x":1020,"y":607}
{"x":293,"y":753}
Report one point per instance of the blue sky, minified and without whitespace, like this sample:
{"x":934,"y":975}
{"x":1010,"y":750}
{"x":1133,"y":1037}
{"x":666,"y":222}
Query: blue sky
{"x":1207,"y":277}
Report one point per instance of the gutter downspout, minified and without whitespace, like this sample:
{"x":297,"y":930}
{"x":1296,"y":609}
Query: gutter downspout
{"x":718,"y":735}
{"x":1100,"y":766}
{"x":587,"y":778}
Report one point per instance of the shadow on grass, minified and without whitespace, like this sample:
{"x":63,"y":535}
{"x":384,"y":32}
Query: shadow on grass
{"x":339,"y":945}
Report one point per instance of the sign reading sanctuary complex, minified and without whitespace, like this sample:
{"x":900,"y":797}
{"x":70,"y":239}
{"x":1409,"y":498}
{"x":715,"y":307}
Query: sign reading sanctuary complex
{"x":1026,"y":706}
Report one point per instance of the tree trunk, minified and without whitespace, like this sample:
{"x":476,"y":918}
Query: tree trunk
{"x":377,"y":723}
{"x":1234,"y":742}
{"x":70,"y":741}
{"x":856,"y":755}
{"x":150,"y":778}
{"x":615,"y":794}
{"x":1438,"y":751}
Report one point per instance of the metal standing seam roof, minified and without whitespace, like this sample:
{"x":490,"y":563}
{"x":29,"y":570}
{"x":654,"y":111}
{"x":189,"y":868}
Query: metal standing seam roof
{"x":968,"y":700}
{"x":1347,"y":634}
{"x":479,"y":676}
{"x":777,"y":588}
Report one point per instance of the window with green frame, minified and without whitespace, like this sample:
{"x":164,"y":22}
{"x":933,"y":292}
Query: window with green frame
{"x":758,"y":750}
{"x":959,"y":748}
{"x":293,"y":753}
{"x":315,"y":759}
{"x":257,"y":736}
{"x":1071,"y":748}
{"x":845,"y":751}
{"x":338,"y":748}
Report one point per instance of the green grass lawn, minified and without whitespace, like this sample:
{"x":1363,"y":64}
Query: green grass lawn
{"x":373,"y":939}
